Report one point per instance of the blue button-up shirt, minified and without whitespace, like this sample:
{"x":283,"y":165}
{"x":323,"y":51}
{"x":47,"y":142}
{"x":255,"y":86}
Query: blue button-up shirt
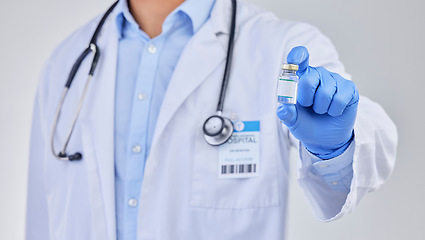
{"x":144,"y":69}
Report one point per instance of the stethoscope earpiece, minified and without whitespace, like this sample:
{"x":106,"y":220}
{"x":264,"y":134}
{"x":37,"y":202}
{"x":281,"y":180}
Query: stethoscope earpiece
{"x":217,"y":130}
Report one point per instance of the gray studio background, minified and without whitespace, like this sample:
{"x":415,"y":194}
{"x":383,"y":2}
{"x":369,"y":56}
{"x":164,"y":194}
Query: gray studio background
{"x":382,"y":44}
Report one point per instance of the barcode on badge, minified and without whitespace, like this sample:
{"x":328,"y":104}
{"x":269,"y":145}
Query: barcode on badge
{"x":238,"y":169}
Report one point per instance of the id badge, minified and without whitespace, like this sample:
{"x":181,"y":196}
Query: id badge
{"x":239,"y":157}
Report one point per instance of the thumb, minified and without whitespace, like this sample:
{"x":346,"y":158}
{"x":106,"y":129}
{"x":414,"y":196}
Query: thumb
{"x":299,"y":56}
{"x":287,"y":113}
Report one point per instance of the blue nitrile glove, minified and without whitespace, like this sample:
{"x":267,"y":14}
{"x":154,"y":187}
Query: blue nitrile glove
{"x":326,"y":109}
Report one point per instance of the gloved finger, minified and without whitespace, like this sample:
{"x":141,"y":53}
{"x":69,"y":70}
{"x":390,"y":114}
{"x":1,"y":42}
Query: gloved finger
{"x":307,"y":86}
{"x":324,"y":92}
{"x":299,"y":56}
{"x":346,"y":95}
{"x":287,"y":113}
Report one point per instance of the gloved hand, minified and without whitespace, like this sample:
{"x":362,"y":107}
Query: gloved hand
{"x":326,"y":109}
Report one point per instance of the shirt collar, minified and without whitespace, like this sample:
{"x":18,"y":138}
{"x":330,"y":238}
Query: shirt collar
{"x":197,"y":10}
{"x":123,"y":15}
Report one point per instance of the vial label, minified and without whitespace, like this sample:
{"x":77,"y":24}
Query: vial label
{"x":287,"y":91}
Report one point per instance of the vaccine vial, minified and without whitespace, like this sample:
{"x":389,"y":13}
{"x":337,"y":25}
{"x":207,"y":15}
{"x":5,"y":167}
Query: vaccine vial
{"x":288,"y":84}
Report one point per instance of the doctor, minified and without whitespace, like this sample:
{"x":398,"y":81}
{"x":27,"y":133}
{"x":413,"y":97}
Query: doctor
{"x":146,"y":171}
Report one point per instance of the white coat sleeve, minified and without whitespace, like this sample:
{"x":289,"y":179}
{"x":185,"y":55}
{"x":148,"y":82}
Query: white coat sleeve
{"x":375,"y":138}
{"x":37,"y":221}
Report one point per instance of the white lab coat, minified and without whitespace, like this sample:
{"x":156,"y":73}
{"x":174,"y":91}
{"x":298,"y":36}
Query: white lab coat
{"x":181,"y":196}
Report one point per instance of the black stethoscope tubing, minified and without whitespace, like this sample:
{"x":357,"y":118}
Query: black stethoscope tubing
{"x":216,"y":134}
{"x":228,"y":59}
{"x":91,"y":48}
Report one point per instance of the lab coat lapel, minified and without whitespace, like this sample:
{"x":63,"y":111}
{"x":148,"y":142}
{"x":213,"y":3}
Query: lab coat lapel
{"x":97,"y":122}
{"x":202,"y":55}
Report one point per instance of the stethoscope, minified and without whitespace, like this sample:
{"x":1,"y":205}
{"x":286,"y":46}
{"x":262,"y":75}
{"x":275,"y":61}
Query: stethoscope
{"x":217,"y":129}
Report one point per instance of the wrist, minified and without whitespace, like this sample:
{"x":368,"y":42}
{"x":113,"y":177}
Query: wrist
{"x":328,"y":152}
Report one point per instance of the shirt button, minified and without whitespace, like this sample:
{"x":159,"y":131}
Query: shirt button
{"x":132,"y":202}
{"x":323,"y":166}
{"x":141,"y":96}
{"x":136,"y":149}
{"x":334,"y":183}
{"x":152,"y":49}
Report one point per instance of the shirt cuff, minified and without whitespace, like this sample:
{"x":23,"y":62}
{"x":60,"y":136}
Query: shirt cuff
{"x":338,"y":171}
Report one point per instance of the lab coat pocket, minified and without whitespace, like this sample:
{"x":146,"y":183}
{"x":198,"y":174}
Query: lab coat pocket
{"x":66,"y":190}
{"x":211,"y":191}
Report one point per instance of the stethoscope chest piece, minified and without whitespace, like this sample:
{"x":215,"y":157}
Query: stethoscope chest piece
{"x":217,"y":130}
